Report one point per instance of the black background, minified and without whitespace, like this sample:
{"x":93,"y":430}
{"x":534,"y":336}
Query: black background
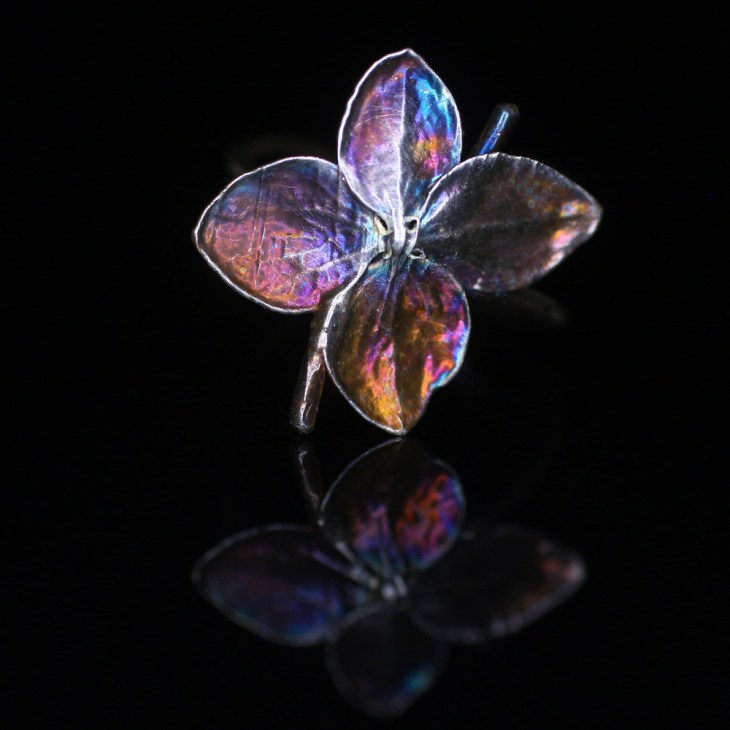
{"x":154,"y":421}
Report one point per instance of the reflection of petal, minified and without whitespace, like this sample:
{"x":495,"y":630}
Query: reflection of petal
{"x":397,"y":335}
{"x":286,"y":234}
{"x":283,"y":583}
{"x":381,"y":663}
{"x":395,"y":509}
{"x":400,"y":132}
{"x":492,"y":584}
{"x":501,"y":222}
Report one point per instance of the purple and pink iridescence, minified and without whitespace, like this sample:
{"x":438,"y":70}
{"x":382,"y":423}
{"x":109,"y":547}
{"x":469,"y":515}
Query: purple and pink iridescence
{"x":423,"y":529}
{"x":287,"y":234}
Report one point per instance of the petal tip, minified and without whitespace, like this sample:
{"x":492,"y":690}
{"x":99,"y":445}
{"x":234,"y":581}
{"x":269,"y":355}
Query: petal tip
{"x":596,"y":216}
{"x":403,"y":53}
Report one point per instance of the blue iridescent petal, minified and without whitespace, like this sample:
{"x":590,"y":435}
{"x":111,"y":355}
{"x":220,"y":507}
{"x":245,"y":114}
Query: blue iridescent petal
{"x":501,"y":222}
{"x":287,"y":234}
{"x":401,"y":132}
{"x":281,"y":582}
{"x":395,"y":510}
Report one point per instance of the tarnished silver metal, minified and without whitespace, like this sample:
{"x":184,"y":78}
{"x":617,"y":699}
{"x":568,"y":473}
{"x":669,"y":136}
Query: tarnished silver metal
{"x":309,"y":385}
{"x":501,"y":222}
{"x":383,"y":245}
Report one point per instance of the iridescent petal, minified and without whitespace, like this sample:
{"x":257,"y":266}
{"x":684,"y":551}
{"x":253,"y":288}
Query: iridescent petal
{"x":494,"y":583}
{"x":283,"y":583}
{"x":380,"y":662}
{"x":286,"y":234}
{"x":501,"y":222}
{"x":394,"y":337}
{"x":395,"y":510}
{"x":401,"y":131}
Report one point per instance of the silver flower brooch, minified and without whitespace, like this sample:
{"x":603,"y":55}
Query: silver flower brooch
{"x":383,"y":246}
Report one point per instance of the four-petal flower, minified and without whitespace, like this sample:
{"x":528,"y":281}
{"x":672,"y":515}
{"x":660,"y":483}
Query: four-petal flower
{"x":383,"y":246}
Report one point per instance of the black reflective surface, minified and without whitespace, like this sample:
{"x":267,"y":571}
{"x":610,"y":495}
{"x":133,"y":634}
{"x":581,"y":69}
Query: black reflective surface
{"x":151,"y":416}
{"x":387,"y":555}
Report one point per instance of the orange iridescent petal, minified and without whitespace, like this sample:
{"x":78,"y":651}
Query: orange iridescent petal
{"x":395,"y":337}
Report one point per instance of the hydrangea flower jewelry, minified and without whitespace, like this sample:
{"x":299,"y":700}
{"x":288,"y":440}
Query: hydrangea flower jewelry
{"x":383,"y":246}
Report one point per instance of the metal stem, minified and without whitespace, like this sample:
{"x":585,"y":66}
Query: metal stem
{"x":494,"y":135}
{"x":309,"y":386}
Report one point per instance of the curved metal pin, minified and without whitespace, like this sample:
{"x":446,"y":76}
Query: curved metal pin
{"x":502,"y":121}
{"x":523,"y":306}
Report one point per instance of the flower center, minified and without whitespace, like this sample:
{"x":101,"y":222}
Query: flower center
{"x":398,"y":236}
{"x":393,"y":589}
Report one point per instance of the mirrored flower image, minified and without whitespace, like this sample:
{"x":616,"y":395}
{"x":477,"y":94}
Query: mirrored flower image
{"x":386,"y":577}
{"x":383,"y":246}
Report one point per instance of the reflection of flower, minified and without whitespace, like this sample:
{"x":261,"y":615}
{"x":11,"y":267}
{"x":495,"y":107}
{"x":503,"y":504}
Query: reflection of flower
{"x":383,"y":245}
{"x":386,"y":577}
